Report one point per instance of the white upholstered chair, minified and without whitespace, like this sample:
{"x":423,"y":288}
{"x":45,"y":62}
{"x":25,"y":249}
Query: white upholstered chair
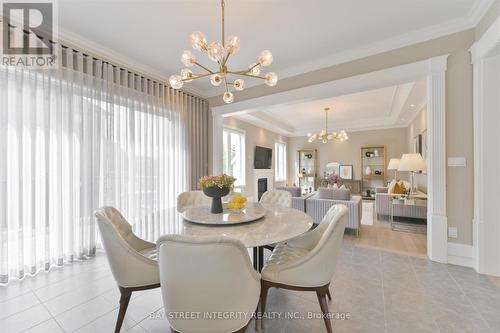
{"x":190,"y":199}
{"x":307,"y":262}
{"x":132,"y":260}
{"x":207,"y":275}
{"x":276,"y":198}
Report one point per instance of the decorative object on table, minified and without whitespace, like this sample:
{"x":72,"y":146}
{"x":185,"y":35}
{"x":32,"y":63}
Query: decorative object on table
{"x":216,"y":187}
{"x":333,"y":179}
{"x":345,"y":172}
{"x":201,"y":215}
{"x":324,"y":136}
{"x":220,"y":52}
{"x":378,"y":172}
{"x":368,"y":170}
{"x":412,"y":163}
{"x":237,"y":203}
{"x":308,"y":156}
{"x":393,"y":165}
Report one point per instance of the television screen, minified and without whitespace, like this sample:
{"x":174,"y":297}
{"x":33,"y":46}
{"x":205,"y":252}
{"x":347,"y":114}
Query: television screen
{"x":263,"y":158}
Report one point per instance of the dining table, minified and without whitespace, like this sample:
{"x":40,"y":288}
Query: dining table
{"x":276,"y":224}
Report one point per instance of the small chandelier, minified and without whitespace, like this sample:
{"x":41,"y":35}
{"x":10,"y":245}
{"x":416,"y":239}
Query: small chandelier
{"x":324,"y":136}
{"x":219,"y":52}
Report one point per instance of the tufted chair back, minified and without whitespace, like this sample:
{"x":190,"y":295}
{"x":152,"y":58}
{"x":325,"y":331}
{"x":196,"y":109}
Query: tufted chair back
{"x":276,"y":198}
{"x":310,"y":259}
{"x":131,"y":259}
{"x":207,"y":275}
{"x":190,"y":199}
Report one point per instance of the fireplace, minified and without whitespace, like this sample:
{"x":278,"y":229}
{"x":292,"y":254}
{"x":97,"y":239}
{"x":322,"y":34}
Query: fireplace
{"x":261,"y":187}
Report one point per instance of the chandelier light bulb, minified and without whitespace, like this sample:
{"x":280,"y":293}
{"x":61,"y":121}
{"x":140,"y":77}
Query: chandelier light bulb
{"x":216,"y":80}
{"x":228,"y":97}
{"x":187,"y":75}
{"x":271,"y":79}
{"x":198,"y":41}
{"x":176,"y":81}
{"x":215,"y":51}
{"x":233,"y":44}
{"x":265,"y":58}
{"x":255,"y":70}
{"x":239,"y":84}
{"x":188,"y":59}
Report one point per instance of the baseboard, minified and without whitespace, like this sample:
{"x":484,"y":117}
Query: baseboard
{"x":460,"y":254}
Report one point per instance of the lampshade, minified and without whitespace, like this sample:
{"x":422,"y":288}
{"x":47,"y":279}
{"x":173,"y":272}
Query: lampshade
{"x":393,"y":164}
{"x":412,"y":162}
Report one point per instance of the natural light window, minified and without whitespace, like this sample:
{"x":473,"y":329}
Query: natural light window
{"x":233,"y":142}
{"x":280,"y":158}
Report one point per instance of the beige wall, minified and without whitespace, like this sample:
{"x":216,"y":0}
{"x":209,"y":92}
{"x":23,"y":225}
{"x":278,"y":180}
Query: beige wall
{"x":348,"y":152}
{"x":416,"y":127}
{"x":488,"y":19}
{"x":254,"y":136}
{"x":458,"y":109}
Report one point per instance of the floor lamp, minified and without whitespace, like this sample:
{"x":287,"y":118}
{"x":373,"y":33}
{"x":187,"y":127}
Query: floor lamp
{"x":412,"y":163}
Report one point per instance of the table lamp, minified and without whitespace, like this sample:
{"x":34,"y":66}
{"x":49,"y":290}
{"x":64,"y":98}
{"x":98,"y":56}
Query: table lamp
{"x":393,"y":165}
{"x":412,"y":163}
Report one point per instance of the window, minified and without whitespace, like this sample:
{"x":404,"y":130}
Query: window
{"x":280,"y":158}
{"x":233,"y":142}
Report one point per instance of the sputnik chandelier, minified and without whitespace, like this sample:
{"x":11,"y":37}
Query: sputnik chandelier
{"x":219,"y":52}
{"x":324,"y":136}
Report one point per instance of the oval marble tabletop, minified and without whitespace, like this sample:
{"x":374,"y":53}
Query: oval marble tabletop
{"x":252,"y":212}
{"x":279,"y":224}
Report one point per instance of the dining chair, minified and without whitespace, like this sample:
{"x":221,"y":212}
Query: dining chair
{"x":207,"y":275}
{"x":190,"y":199}
{"x":132,"y":260}
{"x":307,"y":262}
{"x":276,"y":198}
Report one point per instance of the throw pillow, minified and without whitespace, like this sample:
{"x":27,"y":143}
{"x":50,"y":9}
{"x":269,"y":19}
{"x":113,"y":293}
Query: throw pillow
{"x":399,"y":188}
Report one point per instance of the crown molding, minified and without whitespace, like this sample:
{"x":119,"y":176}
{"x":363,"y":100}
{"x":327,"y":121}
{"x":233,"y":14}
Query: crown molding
{"x":478,"y":11}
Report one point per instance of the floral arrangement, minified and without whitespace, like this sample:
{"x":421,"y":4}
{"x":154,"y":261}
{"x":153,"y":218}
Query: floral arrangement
{"x":333,"y":178}
{"x":220,"y":181}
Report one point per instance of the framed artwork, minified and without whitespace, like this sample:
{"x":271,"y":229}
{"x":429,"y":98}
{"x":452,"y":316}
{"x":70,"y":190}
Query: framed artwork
{"x":418,"y":144}
{"x":346,"y":172}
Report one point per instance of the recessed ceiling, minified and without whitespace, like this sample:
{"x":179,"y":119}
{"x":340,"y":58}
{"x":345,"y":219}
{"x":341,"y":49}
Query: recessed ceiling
{"x":393,"y":106}
{"x":152,"y":34}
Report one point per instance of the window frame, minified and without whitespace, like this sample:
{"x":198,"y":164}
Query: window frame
{"x":242,"y":134}
{"x":276,"y":160}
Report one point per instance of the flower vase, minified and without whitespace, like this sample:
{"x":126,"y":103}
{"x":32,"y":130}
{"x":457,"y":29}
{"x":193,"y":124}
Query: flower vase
{"x":216,"y":193}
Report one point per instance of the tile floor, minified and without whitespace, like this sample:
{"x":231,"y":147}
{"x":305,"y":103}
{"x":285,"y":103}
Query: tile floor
{"x":381,"y":291}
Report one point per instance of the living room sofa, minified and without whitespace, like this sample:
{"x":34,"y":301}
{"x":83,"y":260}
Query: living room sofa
{"x":383,"y":201}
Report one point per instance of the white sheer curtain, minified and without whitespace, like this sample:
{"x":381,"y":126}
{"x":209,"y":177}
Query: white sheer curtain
{"x":85,"y":135}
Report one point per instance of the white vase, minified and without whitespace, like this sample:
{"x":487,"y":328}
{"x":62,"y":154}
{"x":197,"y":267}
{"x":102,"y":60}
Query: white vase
{"x":368,"y":171}
{"x":376,"y":152}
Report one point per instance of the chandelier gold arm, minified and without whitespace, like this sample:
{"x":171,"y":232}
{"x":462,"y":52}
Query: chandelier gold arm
{"x":205,"y":68}
{"x":249,"y":75}
{"x":196,"y":76}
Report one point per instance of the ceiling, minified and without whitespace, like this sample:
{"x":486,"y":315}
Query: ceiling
{"x":394,"y":106}
{"x":150,"y":35}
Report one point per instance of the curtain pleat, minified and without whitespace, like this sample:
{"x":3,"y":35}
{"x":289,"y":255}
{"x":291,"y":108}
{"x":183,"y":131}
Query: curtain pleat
{"x":85,"y":135}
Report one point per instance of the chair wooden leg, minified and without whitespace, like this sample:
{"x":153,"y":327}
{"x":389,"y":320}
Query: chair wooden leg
{"x":321,"y":293}
{"x":329,"y":295}
{"x":124,"y":300}
{"x":264,"y":288}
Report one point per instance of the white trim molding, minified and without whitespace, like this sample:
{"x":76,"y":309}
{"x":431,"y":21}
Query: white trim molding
{"x":437,"y":223}
{"x":486,"y":228}
{"x":460,"y":254}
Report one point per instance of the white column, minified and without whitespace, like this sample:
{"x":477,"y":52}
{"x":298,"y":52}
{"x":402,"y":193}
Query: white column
{"x":437,"y":235}
{"x":217,"y":128}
